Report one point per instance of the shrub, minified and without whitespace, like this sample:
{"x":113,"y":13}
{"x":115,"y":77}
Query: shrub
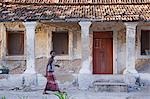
{"x":61,"y":95}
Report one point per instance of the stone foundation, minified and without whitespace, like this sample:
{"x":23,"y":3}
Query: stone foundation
{"x":15,"y":67}
{"x":66,"y":66}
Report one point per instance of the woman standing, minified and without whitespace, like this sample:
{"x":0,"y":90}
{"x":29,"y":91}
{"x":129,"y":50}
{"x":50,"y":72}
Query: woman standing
{"x":51,"y":84}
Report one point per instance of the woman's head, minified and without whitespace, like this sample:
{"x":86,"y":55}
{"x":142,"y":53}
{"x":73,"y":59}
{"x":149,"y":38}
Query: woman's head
{"x":52,"y":53}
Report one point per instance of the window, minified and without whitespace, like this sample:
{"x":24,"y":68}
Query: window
{"x":15,"y":43}
{"x":145,"y":42}
{"x":60,"y":43}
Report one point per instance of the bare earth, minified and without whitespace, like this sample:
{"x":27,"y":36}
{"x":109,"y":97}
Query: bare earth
{"x":75,"y":93}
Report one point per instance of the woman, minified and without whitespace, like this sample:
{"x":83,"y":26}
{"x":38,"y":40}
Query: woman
{"x":51,"y":84}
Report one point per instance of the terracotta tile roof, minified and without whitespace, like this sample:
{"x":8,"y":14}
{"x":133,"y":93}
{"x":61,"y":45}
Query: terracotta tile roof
{"x":76,"y":12}
{"x":79,"y":1}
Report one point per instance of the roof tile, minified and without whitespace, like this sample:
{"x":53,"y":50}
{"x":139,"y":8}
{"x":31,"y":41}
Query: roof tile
{"x":78,"y":1}
{"x":23,"y":12}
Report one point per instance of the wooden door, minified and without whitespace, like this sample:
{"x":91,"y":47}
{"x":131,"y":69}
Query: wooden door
{"x":102,"y":53}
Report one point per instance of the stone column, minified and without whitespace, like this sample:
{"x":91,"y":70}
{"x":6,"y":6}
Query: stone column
{"x":85,"y":47}
{"x":130,"y":48}
{"x":2,"y":41}
{"x":84,"y":76}
{"x":30,"y":57}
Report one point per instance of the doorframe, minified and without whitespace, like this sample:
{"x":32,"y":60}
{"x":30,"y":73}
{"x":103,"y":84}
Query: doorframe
{"x":115,"y":35}
{"x":115,"y":53}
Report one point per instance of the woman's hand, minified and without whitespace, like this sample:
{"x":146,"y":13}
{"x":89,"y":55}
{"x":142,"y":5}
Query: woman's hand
{"x":57,"y":65}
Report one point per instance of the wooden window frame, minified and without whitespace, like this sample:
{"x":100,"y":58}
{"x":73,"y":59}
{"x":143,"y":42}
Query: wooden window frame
{"x":15,"y":32}
{"x":142,"y":31}
{"x":67,"y":41}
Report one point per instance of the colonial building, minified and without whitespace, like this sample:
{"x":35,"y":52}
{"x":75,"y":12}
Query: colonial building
{"x":91,"y":38}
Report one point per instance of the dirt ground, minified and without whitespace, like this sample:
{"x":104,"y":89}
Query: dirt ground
{"x":77,"y":94}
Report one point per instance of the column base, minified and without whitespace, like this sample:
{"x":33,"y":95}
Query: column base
{"x":131,"y":77}
{"x":85,"y":69}
{"x":131,"y":71}
{"x":84,"y":81}
{"x":29,"y":79}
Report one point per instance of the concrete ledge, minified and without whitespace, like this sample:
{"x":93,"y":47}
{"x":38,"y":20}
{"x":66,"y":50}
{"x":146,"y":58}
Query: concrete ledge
{"x":110,"y":87}
{"x":109,"y":84}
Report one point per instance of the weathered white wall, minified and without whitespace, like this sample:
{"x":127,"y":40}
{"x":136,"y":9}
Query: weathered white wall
{"x":121,"y":48}
{"x":43,"y":44}
{"x":15,"y":63}
{"x":142,"y":60}
{"x":74,"y":47}
{"x":118,"y":42}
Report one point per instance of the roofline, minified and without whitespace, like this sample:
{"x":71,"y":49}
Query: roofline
{"x":30,"y":3}
{"x":72,"y":20}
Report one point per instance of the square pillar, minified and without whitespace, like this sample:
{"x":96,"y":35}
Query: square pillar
{"x":30,"y":57}
{"x":85,"y":47}
{"x":2,"y":41}
{"x":130,"y":47}
{"x":84,"y":77}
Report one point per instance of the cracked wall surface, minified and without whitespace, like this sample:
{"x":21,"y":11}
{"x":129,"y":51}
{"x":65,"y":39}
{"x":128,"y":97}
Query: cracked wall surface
{"x":72,"y":62}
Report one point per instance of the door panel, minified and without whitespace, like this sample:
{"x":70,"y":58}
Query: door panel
{"x":102,"y":53}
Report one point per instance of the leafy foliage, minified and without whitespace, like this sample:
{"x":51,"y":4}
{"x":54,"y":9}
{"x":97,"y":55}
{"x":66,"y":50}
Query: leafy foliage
{"x":3,"y":97}
{"x":61,"y":95}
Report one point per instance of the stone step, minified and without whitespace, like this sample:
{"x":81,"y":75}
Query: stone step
{"x":110,"y":86}
{"x":109,"y":78}
{"x":109,"y":83}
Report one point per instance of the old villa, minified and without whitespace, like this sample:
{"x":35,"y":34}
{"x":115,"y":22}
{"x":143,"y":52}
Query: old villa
{"x":94,"y":39}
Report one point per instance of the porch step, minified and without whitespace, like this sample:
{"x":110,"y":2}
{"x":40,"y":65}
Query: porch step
{"x":110,"y":83}
{"x":110,"y":86}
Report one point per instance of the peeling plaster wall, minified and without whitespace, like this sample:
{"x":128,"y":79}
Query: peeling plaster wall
{"x":41,"y":39}
{"x":77,"y":44}
{"x":121,"y":49}
{"x":71,"y":63}
{"x":16,"y":64}
{"x":118,"y":48}
{"x":142,"y":61}
{"x":74,"y":32}
{"x":43,"y":45}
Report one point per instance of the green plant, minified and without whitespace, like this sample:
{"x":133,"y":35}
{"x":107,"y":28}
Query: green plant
{"x":61,"y":95}
{"x":3,"y":97}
